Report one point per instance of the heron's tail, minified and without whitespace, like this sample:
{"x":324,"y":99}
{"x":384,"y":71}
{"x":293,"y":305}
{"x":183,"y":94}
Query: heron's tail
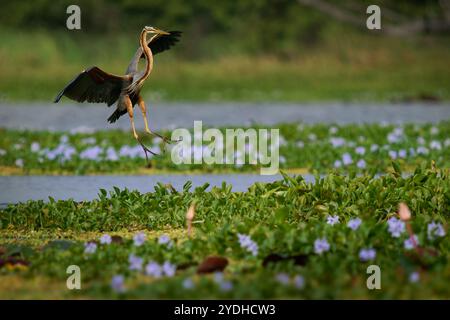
{"x":116,"y":115}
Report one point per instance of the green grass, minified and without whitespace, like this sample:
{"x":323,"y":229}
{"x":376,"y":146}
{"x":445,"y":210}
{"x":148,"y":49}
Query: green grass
{"x":303,"y":148}
{"x":355,"y":67}
{"x":284,"y":217}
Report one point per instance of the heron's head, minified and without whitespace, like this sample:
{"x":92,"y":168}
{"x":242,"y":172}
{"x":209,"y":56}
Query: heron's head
{"x":154,"y":30}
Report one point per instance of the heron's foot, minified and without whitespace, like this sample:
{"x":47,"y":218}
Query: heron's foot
{"x":165,"y":139}
{"x":146,"y":150}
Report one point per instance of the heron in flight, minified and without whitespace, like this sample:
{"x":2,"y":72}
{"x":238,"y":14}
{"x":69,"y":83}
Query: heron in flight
{"x":96,"y":85}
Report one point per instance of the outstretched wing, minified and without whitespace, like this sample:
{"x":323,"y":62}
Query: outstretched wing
{"x":164,"y":42}
{"x":94,"y":85}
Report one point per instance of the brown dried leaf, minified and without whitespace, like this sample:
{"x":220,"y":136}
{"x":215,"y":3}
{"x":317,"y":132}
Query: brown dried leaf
{"x":116,"y":239}
{"x":212,"y":264}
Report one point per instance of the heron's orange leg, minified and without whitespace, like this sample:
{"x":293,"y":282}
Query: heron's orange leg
{"x":129,"y":106}
{"x":141,"y":104}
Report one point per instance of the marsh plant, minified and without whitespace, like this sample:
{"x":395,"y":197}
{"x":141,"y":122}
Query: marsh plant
{"x":366,"y":148}
{"x":238,"y":146}
{"x":289,"y":238}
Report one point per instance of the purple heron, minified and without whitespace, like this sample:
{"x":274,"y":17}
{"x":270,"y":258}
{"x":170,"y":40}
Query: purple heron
{"x":97,"y":86}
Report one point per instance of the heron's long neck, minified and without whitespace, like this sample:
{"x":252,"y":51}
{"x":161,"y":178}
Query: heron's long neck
{"x":148,"y":56}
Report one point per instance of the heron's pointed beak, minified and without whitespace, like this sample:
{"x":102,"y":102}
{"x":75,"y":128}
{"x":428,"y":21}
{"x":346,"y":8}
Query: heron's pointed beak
{"x":163,"y":33}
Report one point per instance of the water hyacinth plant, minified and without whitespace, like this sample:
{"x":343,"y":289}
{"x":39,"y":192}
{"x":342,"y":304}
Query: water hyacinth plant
{"x":367,"y":254}
{"x":136,"y":262}
{"x":105,"y":239}
{"x":321,"y":245}
{"x":247,"y":243}
{"x":354,"y":223}
{"x":280,"y":239}
{"x":139,"y":239}
{"x":350,"y":148}
{"x":396,"y":227}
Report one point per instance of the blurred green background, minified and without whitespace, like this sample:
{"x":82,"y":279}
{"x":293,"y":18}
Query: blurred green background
{"x":250,"y":50}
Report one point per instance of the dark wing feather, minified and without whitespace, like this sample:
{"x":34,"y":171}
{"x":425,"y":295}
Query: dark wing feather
{"x":94,"y":85}
{"x":164,"y":42}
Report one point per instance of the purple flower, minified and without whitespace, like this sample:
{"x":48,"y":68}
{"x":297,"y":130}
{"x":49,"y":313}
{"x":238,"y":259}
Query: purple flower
{"x":67,"y":153}
{"x":91,"y":153}
{"x":51,"y":155}
{"x":422,"y":150}
{"x":337,"y":142}
{"x":169,"y":269}
{"x":321,"y":245}
{"x":118,"y":283}
{"x":188,"y":283}
{"x":135,"y":262}
{"x":282,"y":278}
{"x":414,"y":277}
{"x":367,"y":254}
{"x":64,"y":139}
{"x":19,"y":163}
{"x":124,"y":151}
{"x":111,"y":154}
{"x":435,"y":230}
{"x":223,"y":285}
{"x":332,"y":220}
{"x":337,"y":164}
{"x":395,"y":227}
{"x":139,"y":239}
{"x":165,"y":240}
{"x":131,"y":152}
{"x":374,"y":148}
{"x":435,"y":145}
{"x":218,"y":277}
{"x":153,"y":269}
{"x":409,"y":243}
{"x":247,"y":243}
{"x":354,"y":223}
{"x":395,"y":136}
{"x":402,"y":153}
{"x":360,"y":150}
{"x":63,"y":151}
{"x":105,"y":239}
{"x":299,"y":282}
{"x":35,"y":147}
{"x":347,"y":159}
{"x":90,"y":247}
{"x":226,"y":286}
{"x":361,"y":164}
{"x":392,"y":154}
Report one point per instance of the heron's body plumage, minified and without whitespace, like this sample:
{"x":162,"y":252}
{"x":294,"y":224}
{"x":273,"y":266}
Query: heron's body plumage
{"x":96,"y":86}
